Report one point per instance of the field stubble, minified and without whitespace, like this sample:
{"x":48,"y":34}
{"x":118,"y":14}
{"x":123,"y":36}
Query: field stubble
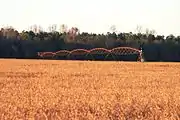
{"x":65,"y":90}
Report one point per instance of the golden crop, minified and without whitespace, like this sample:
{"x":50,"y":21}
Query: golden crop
{"x":89,"y":90}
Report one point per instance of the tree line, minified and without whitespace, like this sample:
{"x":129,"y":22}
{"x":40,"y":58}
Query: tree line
{"x":26,"y":44}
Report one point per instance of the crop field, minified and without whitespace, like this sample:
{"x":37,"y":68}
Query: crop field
{"x":89,"y":90}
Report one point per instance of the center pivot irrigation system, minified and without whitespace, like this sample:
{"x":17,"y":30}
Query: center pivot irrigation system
{"x":119,"y":53}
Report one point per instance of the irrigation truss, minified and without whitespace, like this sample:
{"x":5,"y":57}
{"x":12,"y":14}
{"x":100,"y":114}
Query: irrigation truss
{"x":118,"y":54}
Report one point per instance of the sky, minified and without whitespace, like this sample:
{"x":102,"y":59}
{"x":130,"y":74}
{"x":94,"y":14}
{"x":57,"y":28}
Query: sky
{"x":95,"y":16}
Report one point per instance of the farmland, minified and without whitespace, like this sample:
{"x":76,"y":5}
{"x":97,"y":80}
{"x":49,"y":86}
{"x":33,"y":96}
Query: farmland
{"x":89,"y":90}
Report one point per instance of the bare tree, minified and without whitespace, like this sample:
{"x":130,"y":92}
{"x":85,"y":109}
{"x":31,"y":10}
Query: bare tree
{"x":153,"y":32}
{"x":110,"y":40}
{"x":138,"y":29}
{"x":34,"y":28}
{"x":52,"y":28}
{"x":72,"y":33}
{"x":148,"y":32}
{"x":113,"y":28}
{"x":63,"y":28}
{"x":40,"y":29}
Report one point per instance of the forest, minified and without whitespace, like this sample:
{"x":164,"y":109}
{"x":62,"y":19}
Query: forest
{"x":26,"y":44}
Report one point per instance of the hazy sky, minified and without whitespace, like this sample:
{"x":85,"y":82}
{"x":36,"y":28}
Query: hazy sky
{"x":94,"y":15}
